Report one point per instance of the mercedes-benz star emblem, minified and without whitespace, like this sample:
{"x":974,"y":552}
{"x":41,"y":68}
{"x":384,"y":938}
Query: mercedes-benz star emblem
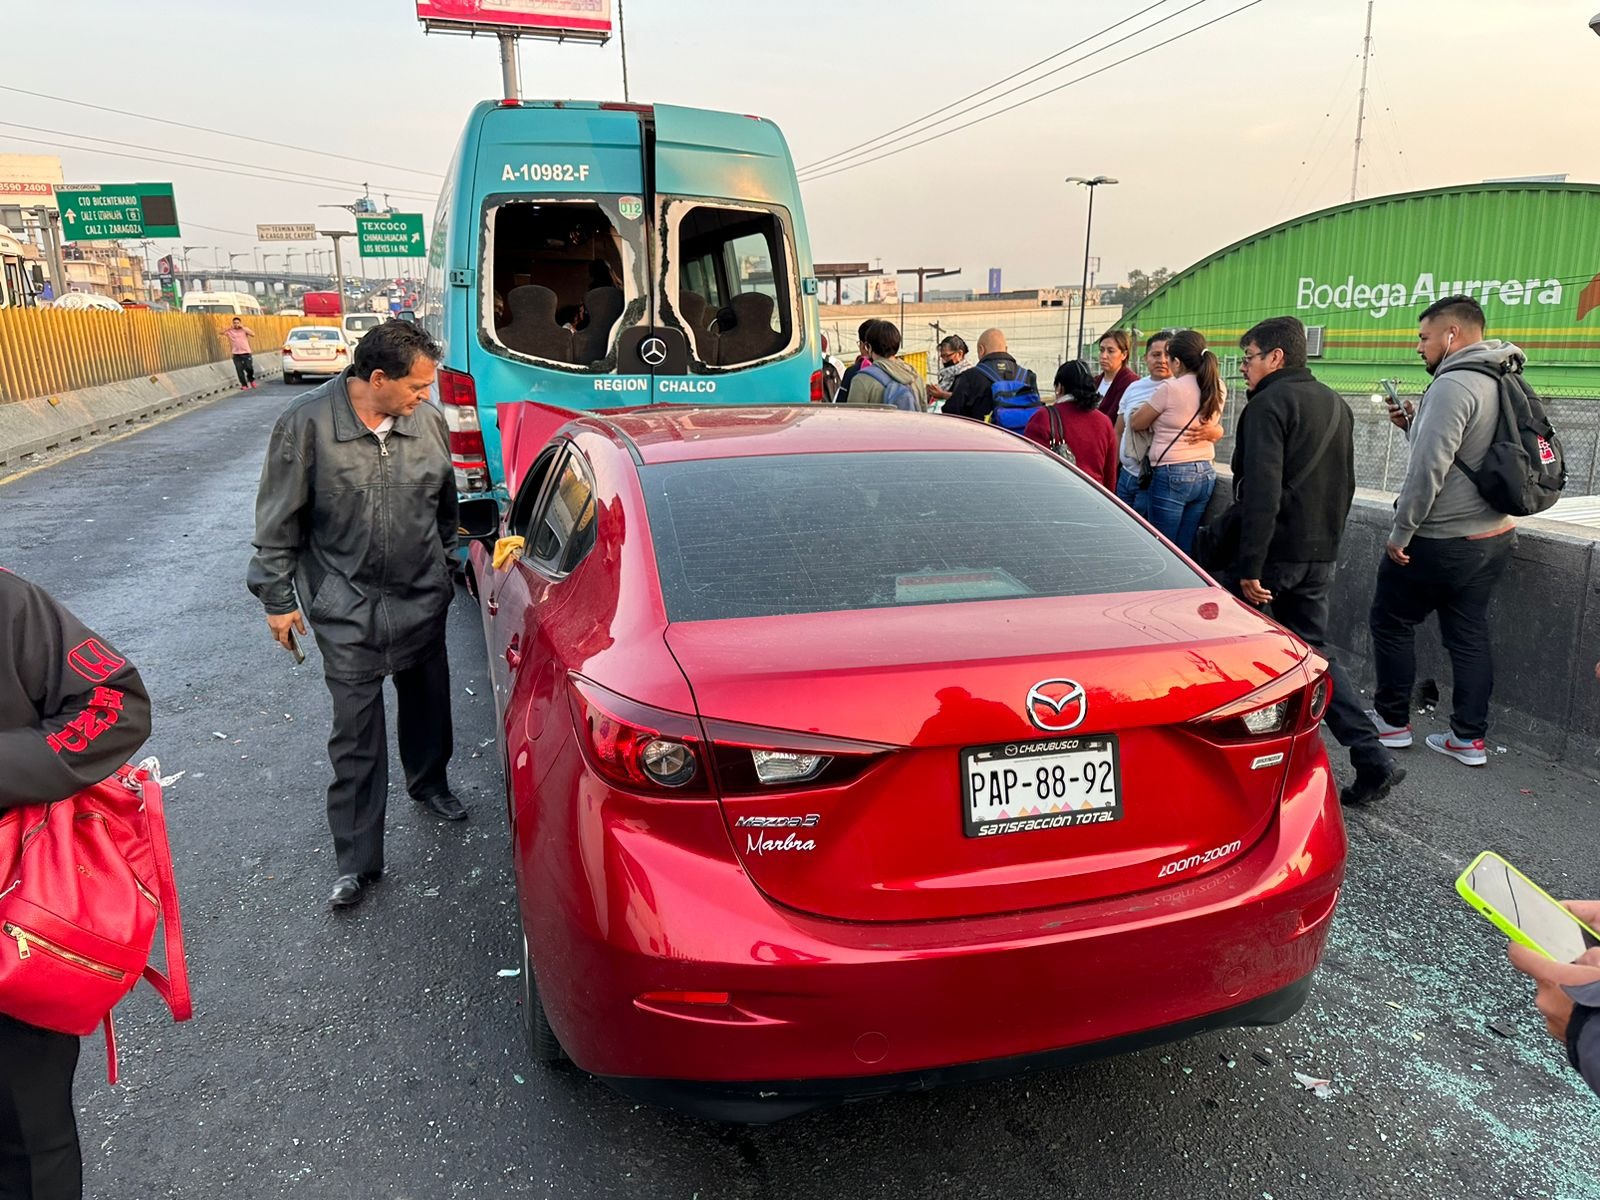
{"x":1057,"y":705}
{"x":653,"y":351}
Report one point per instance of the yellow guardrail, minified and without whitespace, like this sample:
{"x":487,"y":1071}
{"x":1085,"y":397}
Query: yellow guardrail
{"x":44,"y":352}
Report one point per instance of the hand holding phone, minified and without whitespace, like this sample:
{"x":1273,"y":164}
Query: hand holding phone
{"x":1399,"y":411}
{"x":294,"y":649}
{"x":1524,"y":911}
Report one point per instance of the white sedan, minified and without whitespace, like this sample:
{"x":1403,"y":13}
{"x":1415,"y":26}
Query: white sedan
{"x":315,"y":350}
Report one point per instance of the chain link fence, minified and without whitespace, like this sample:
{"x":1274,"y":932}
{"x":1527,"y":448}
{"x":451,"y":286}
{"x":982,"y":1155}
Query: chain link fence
{"x":1382,"y":452}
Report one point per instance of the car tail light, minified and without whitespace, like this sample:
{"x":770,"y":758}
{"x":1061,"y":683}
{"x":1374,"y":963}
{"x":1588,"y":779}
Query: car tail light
{"x":1317,"y":697}
{"x":751,"y":760}
{"x":816,"y":387}
{"x":641,"y":748}
{"x":458,"y":396}
{"x":1272,"y":710}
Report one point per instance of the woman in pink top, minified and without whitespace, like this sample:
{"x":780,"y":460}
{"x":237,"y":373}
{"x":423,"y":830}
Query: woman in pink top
{"x":1183,"y":473}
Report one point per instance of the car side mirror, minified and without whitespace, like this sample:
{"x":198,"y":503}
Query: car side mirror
{"x":478,"y":518}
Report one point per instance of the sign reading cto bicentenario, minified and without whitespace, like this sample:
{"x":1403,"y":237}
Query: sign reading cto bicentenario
{"x":103,"y":212}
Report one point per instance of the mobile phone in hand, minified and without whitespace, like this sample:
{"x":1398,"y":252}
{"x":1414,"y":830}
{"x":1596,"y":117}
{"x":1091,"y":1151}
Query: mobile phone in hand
{"x":294,"y":648}
{"x":1523,"y":911}
{"x":1391,"y":397}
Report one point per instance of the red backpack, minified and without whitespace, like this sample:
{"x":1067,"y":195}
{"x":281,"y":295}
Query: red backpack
{"x":83,"y":884}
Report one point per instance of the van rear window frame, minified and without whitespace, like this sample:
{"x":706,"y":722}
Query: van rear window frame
{"x":785,"y":269}
{"x":634,"y":306}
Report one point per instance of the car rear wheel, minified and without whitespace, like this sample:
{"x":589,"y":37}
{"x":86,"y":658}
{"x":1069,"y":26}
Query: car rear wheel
{"x":543,"y":1045}
{"x":290,"y":377}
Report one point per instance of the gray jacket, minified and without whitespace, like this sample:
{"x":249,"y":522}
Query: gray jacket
{"x":1458,"y":414}
{"x":864,"y":389}
{"x":362,"y":529}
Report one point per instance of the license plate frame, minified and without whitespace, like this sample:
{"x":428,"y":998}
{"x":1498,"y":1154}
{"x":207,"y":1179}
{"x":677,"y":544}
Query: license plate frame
{"x":1022,"y":758}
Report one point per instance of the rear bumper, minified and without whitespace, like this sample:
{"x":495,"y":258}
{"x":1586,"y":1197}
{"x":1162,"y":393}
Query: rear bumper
{"x":833,"y":1009}
{"x":756,"y":1103}
{"x":317,"y":366}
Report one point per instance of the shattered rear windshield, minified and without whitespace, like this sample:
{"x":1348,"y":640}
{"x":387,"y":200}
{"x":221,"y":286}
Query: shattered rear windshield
{"x":780,"y":534}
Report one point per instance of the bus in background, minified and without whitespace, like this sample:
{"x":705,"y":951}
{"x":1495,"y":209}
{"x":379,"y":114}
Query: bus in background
{"x":240,"y":304}
{"x":17,"y":289}
{"x":595,"y":255}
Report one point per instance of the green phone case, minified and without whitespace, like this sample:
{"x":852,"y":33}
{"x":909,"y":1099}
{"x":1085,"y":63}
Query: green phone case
{"x":1496,"y":917}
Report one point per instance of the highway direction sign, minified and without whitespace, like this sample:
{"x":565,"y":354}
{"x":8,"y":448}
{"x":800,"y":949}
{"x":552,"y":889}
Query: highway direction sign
{"x":104,"y":212}
{"x":391,"y":235}
{"x":286,"y":233}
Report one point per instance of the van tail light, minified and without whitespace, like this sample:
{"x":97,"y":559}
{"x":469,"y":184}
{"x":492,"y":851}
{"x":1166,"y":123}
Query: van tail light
{"x":816,"y":388}
{"x":642,"y":749}
{"x":458,"y":397}
{"x":1284,"y":706}
{"x":752,"y":761}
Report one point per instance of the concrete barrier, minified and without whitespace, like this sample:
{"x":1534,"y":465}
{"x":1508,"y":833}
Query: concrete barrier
{"x":48,"y":422}
{"x":1544,"y":628}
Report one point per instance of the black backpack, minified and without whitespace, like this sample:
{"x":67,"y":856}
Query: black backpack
{"x":1525,"y":469}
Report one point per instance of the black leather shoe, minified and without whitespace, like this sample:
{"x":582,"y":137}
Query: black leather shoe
{"x":349,"y":889}
{"x":1368,"y":789}
{"x":445,"y":805}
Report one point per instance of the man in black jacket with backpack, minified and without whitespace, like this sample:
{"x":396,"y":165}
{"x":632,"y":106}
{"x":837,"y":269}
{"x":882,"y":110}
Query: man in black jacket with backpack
{"x":1294,"y":479}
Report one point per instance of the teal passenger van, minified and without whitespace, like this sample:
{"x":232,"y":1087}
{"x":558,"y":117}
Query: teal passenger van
{"x":592,"y":255}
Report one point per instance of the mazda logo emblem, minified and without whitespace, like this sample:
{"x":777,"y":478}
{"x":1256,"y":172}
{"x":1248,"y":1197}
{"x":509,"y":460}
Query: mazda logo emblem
{"x":1057,"y":705}
{"x":653,"y":351}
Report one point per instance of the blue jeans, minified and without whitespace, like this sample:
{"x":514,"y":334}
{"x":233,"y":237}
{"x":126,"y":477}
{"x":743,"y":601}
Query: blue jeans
{"x":1178,"y":499}
{"x":1129,"y":492}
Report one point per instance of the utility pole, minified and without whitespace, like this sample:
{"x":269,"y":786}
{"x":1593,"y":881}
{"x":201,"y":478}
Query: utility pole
{"x":49,"y":219}
{"x":1361,"y":107}
{"x":510,"y":76}
{"x":926,"y":273}
{"x":622,"y":37}
{"x":338,"y":261}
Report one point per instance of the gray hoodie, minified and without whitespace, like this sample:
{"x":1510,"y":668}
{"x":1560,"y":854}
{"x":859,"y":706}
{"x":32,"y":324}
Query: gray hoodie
{"x":864,"y":389}
{"x":1458,"y":414}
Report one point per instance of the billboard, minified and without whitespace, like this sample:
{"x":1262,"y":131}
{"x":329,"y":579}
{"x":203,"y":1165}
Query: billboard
{"x":584,"y":19}
{"x":29,"y":180}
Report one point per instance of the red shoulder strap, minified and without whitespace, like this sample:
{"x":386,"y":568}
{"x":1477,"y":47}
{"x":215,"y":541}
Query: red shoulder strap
{"x":174,"y":985}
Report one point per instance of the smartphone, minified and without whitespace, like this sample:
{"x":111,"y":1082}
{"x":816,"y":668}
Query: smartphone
{"x":1523,"y":911}
{"x":294,"y":648}
{"x":1392,"y":399}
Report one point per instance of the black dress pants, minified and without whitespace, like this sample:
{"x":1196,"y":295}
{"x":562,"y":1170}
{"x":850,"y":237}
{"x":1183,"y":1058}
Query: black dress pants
{"x":39,"y":1155}
{"x":245,"y":366}
{"x":359,"y":753}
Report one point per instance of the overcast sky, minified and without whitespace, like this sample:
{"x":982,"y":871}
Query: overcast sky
{"x":1214,"y":137}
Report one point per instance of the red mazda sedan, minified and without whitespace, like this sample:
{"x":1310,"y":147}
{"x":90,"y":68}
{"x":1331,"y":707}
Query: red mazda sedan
{"x":849,"y":751}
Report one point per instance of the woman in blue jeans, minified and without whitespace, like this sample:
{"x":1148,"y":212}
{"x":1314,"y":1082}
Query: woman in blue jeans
{"x":1183,"y":475}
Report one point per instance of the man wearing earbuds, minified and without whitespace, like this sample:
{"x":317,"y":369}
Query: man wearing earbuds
{"x":1448,"y":547}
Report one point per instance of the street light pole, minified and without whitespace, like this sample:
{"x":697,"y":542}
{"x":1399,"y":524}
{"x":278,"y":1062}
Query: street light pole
{"x":1088,"y":232}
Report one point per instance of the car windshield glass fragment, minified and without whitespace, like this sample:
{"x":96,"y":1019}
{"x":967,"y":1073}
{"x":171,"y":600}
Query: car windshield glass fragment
{"x":771,"y":535}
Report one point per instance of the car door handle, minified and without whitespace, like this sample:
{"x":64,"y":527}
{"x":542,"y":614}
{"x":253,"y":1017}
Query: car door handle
{"x":492,"y":605}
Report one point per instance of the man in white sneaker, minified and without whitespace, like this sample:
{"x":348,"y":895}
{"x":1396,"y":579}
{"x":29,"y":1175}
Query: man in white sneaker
{"x":1448,"y":547}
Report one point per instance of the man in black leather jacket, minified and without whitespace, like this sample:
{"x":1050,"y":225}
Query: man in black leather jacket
{"x":356,"y":513}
